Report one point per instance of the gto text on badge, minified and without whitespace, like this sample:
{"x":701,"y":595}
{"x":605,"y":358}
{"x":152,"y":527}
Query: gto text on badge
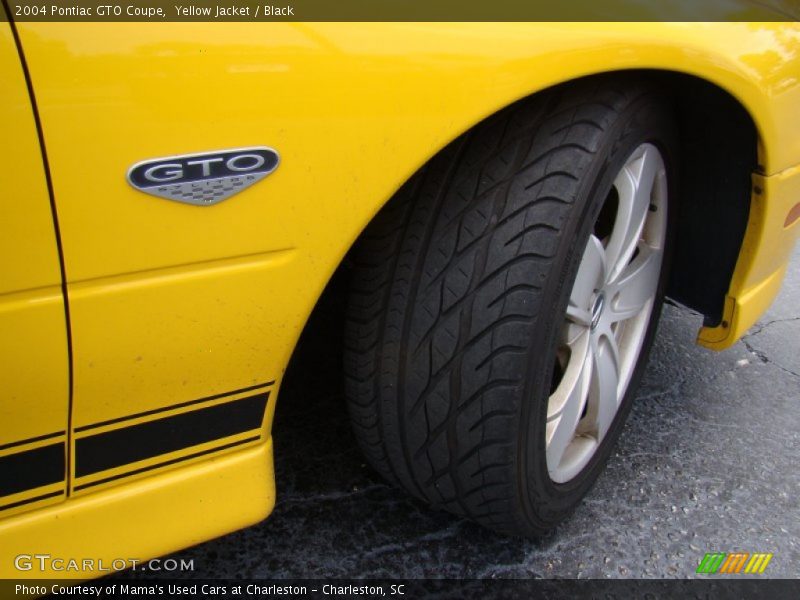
{"x":206,"y":178}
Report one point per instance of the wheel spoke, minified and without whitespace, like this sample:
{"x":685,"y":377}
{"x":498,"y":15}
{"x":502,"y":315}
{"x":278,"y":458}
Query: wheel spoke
{"x":634,"y":185}
{"x":565,"y":406}
{"x":604,"y":395}
{"x":636,"y":284}
{"x":579,"y":316}
{"x":590,"y":277}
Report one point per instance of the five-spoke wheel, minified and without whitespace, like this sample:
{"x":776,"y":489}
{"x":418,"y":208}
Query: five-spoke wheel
{"x":609,"y":308}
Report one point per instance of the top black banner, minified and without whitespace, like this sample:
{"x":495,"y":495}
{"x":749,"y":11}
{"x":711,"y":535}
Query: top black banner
{"x":400,"y":10}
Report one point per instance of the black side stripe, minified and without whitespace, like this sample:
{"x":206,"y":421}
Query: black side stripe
{"x":32,"y":469}
{"x":171,"y":407}
{"x":39,"y":438}
{"x":119,"y":447}
{"x":31,"y":500}
{"x":167,"y":463}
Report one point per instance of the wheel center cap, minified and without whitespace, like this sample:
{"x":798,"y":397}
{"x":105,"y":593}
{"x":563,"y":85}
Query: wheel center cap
{"x":597,"y":309}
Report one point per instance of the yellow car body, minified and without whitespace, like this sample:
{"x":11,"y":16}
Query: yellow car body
{"x":127,"y":320}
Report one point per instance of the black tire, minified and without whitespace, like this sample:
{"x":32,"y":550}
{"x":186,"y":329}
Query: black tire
{"x":458,"y":291}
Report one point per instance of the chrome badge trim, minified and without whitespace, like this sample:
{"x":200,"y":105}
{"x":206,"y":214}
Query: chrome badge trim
{"x":203,"y":178}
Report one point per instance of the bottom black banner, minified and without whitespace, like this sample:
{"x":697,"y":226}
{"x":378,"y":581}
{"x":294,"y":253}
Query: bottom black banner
{"x":610,"y":589}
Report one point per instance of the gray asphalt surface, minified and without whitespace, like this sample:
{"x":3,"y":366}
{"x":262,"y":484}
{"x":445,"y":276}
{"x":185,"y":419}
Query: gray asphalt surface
{"x":707,"y":463}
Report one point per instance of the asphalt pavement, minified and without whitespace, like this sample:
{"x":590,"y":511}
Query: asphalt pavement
{"x":706,"y":463}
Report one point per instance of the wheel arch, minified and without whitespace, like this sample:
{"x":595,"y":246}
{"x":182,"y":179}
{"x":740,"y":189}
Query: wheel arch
{"x":720,"y":148}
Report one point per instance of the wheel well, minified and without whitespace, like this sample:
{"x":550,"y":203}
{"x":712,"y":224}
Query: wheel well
{"x":718,"y":153}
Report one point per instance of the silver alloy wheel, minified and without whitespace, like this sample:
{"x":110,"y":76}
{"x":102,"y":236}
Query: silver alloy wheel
{"x":607,"y":317}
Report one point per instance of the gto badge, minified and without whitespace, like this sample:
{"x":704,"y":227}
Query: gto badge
{"x":206,"y":178}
